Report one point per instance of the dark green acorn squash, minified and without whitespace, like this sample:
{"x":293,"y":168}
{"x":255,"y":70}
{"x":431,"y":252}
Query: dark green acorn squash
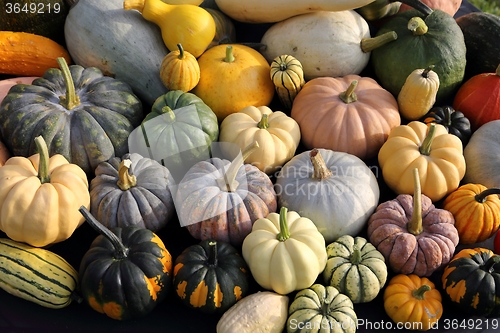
{"x":82,"y":115}
{"x":455,"y":121}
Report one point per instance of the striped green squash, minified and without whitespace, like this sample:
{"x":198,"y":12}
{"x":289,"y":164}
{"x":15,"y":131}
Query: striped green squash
{"x":36,"y":274}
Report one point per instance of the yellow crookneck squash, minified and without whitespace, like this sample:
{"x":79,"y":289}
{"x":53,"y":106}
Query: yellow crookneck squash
{"x":40,"y":197}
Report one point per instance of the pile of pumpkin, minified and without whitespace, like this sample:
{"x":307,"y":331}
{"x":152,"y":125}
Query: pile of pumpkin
{"x":130,"y":125}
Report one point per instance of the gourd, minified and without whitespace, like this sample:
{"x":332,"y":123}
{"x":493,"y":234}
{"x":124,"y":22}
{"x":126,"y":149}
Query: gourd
{"x":264,"y":11}
{"x":27,"y":54}
{"x":437,"y":154}
{"x":179,"y":70}
{"x":132,"y":191}
{"x":37,"y":275}
{"x":414,"y":236}
{"x":453,"y":120}
{"x":413,"y":301}
{"x":285,"y":252}
{"x":99,"y":45}
{"x":40,"y":197}
{"x":277,"y":134}
{"x":340,"y":114}
{"x":233,"y":76}
{"x":418,"y":93}
{"x":322,"y":309}
{"x":191,"y":26}
{"x":260,"y":312}
{"x":470,"y":282}
{"x":81,"y":113}
{"x":356,"y":268}
{"x":476,"y":210}
{"x":287,"y":74}
{"x":336,"y":190}
{"x":344,"y":38}
{"x":210,"y":276}
{"x":6,"y":84}
{"x":125,"y":272}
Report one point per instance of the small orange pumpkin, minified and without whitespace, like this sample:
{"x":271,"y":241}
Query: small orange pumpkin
{"x":179,"y":70}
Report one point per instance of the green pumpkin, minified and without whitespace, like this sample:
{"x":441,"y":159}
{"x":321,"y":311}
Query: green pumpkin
{"x":126,"y":272}
{"x":442,"y":45}
{"x":210,"y":276}
{"x":132,"y":190}
{"x":82,"y":115}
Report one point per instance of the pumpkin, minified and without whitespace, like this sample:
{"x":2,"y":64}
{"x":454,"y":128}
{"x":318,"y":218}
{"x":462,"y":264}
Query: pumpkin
{"x":179,"y":70}
{"x":132,"y":190}
{"x":321,"y":309}
{"x":233,"y":77}
{"x":82,"y":115}
{"x":476,"y":210}
{"x":40,"y":197}
{"x":285,"y":252}
{"x":6,"y":84}
{"x":450,"y":7}
{"x":414,"y":236}
{"x":437,"y":154}
{"x":356,"y":268}
{"x":479,"y":98}
{"x":125,"y":272}
{"x":453,"y":120}
{"x":418,"y":93}
{"x":351,"y":114}
{"x":470,"y":282}
{"x":277,"y":134}
{"x":336,"y":190}
{"x":225,"y":31}
{"x":210,"y":276}
{"x":221,"y":199}
{"x":413,"y":302}
{"x":287,"y":74}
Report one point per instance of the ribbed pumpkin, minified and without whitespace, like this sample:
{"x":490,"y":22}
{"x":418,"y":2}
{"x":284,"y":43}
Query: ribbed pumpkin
{"x":179,"y":70}
{"x":126,"y":272}
{"x":82,"y":115}
{"x":287,"y":74}
{"x":132,"y":190}
{"x":210,"y":276}
{"x":453,"y":120}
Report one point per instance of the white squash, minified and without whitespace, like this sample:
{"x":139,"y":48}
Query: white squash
{"x":266,"y":11}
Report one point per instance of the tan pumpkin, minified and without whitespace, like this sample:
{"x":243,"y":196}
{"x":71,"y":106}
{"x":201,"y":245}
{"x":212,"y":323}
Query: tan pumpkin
{"x":179,"y":70}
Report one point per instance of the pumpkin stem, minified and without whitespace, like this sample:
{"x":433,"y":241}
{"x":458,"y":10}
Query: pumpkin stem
{"x":355,"y":257}
{"x":481,"y":197}
{"x":228,"y":182}
{"x":419,"y":293}
{"x":171,"y":114}
{"x":120,"y":250}
{"x":284,"y":233}
{"x":125,"y":179}
{"x":212,"y":254}
{"x":425,"y":148}
{"x":415,"y":225}
{"x":134,"y":4}
{"x":320,"y":170}
{"x":181,"y":51}
{"x":43,"y":164}
{"x":71,"y":99}
{"x":264,"y":121}
{"x":425,"y":73}
{"x":370,"y":44}
{"x":349,"y":95}
{"x":417,"y":26}
{"x":229,"y":54}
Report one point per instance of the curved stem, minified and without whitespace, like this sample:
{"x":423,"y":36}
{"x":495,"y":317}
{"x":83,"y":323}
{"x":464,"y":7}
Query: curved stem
{"x":320,"y":170}
{"x":125,"y":179}
{"x":181,"y":51}
{"x":415,"y":224}
{"x":425,"y":148}
{"x":481,"y":197}
{"x":284,"y":233}
{"x":43,"y":164}
{"x":425,"y":73}
{"x":349,"y":96}
{"x":370,"y":44}
{"x":228,"y":182}
{"x":229,"y":54}
{"x":418,"y":5}
{"x":212,"y":253}
{"x":417,"y":26}
{"x":264,"y":121}
{"x":419,"y":293}
{"x":71,"y":99}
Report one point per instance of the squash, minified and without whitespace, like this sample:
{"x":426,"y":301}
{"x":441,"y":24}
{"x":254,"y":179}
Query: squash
{"x":470,"y":282}
{"x":437,"y":154}
{"x":450,"y":7}
{"x":267,"y":11}
{"x":260,"y":312}
{"x":82,"y":115}
{"x":344,"y":37}
{"x":356,"y":268}
{"x":285,"y":252}
{"x":277,"y":134}
{"x":221,"y":199}
{"x":321,"y":309}
{"x":476,"y":210}
{"x":191,"y":26}
{"x":336,"y":190}
{"x":479,"y":98}
{"x":210,"y":276}
{"x":351,"y":114}
{"x":26,"y":54}
{"x":6,"y":84}
{"x":414,"y":236}
{"x":225,"y":31}
{"x":40,"y":197}
{"x":37,"y":275}
{"x":413,"y":302}
{"x":98,"y":34}
{"x":418,"y":93}
{"x":233,"y":77}
{"x":179,"y":70}
{"x":132,"y":190}
{"x":287,"y":74}
{"x":454,"y":121}
{"x":125,"y":272}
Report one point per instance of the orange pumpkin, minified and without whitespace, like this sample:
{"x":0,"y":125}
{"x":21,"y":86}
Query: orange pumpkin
{"x":351,"y":114}
{"x":448,"y":6}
